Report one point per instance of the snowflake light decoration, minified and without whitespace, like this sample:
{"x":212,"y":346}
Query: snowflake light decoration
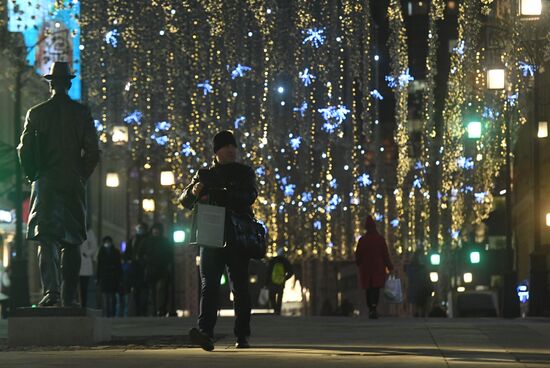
{"x":98,"y":126}
{"x":295,"y":142}
{"x":237,"y":123}
{"x":375,"y":94}
{"x":289,"y":189}
{"x":417,"y":183}
{"x":240,"y":71}
{"x":161,"y":140}
{"x":378,"y":217}
{"x":133,"y":118}
{"x":480,"y":197}
{"x":329,"y":127}
{"x":466,"y":163}
{"x":459,"y":49}
{"x":306,"y":77}
{"x":394,"y":223}
{"x":317,"y":225}
{"x":111,"y":37}
{"x":512,"y":99}
{"x":206,"y":87}
{"x":162,"y":126}
{"x":527,"y":70}
{"x":364,"y":180}
{"x":489,"y":113}
{"x":260,"y":171}
{"x":402,"y":80}
{"x":455,"y":234}
{"x":333,"y":184}
{"x":334,"y":201}
{"x":186,"y":150}
{"x":334,"y":116}
{"x":306,"y":197}
{"x":301,"y":109}
{"x":315,"y":37}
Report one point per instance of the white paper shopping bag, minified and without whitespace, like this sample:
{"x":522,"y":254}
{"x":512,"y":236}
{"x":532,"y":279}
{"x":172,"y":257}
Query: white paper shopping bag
{"x":210,"y":226}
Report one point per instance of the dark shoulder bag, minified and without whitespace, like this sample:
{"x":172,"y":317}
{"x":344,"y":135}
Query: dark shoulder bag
{"x":250,"y":235}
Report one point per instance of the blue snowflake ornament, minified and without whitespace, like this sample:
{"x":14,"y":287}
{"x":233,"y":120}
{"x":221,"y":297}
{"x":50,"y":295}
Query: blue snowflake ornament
{"x":364,"y":180}
{"x":240,"y":71}
{"x":315,"y":37}
{"x":133,"y":118}
{"x":206,"y":87}
{"x":295,"y":142}
{"x":306,"y":77}
{"x":237,"y":123}
{"x":301,"y":109}
{"x":111,"y":37}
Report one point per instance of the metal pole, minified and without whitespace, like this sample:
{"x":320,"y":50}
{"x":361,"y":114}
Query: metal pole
{"x":100,"y":201}
{"x":536,"y":164}
{"x":510,"y":307}
{"x":20,"y":289}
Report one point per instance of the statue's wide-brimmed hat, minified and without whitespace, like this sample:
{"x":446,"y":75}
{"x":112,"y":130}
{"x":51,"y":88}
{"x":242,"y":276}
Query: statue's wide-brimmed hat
{"x":59,"y":70}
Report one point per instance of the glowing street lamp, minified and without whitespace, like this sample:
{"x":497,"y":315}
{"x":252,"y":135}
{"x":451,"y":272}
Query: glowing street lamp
{"x":548,"y":219}
{"x":148,"y":205}
{"x":119,"y":134}
{"x":543,"y":129}
{"x":434,"y":277}
{"x":112,"y":180}
{"x":496,"y":78}
{"x":167,"y":178}
{"x":474,"y":129}
{"x":468,"y":277}
{"x":530,"y":8}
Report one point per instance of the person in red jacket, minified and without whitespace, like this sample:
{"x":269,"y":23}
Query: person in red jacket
{"x":373,"y":260}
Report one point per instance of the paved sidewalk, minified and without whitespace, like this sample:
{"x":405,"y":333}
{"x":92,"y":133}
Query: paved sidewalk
{"x":307,"y":342}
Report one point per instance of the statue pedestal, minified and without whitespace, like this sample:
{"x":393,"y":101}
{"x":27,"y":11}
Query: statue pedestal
{"x":53,"y":326}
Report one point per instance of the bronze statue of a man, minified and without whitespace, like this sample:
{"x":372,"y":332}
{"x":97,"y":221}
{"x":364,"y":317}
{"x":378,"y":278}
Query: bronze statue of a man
{"x":58,"y":152}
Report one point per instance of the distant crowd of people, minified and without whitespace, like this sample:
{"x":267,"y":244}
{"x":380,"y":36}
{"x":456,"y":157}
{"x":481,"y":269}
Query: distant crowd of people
{"x":140,"y":274}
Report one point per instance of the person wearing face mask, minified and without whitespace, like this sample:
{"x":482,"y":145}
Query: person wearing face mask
{"x":109,"y":272}
{"x":232,"y":185}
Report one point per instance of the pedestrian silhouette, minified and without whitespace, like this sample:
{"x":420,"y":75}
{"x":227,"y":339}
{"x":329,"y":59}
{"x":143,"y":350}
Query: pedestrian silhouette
{"x":373,"y":260}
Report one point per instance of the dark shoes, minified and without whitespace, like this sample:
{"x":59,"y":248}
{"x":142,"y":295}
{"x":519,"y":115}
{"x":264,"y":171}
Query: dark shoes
{"x":242,"y":343}
{"x":50,"y":300}
{"x":201,"y":339}
{"x":373,"y":315}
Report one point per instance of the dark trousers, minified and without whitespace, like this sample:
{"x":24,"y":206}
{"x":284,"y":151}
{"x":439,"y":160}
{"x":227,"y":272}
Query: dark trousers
{"x":276,"y":298}
{"x":159,"y":295}
{"x":213,"y":262}
{"x":59,"y":262}
{"x":141,"y":299}
{"x":373,"y":295}
{"x":109,"y":304}
{"x":84,"y":281}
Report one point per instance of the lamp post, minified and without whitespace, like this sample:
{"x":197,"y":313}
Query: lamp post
{"x":496,"y":81}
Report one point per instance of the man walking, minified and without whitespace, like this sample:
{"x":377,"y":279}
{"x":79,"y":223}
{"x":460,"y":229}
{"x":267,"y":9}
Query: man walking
{"x":58,"y":152}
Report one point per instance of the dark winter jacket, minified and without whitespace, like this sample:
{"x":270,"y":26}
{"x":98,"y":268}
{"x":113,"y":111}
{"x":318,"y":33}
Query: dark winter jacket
{"x":109,"y":269}
{"x":372,"y":258}
{"x":231,"y":185}
{"x":58,"y":152}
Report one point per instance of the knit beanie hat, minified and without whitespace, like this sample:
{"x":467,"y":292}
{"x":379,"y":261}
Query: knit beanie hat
{"x":222,"y":139}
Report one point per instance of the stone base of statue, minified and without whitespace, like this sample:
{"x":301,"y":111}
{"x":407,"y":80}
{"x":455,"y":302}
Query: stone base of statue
{"x":54,"y":326}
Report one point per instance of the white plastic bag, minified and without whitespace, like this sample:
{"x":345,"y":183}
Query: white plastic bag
{"x":392,"y":290}
{"x":263,"y":298}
